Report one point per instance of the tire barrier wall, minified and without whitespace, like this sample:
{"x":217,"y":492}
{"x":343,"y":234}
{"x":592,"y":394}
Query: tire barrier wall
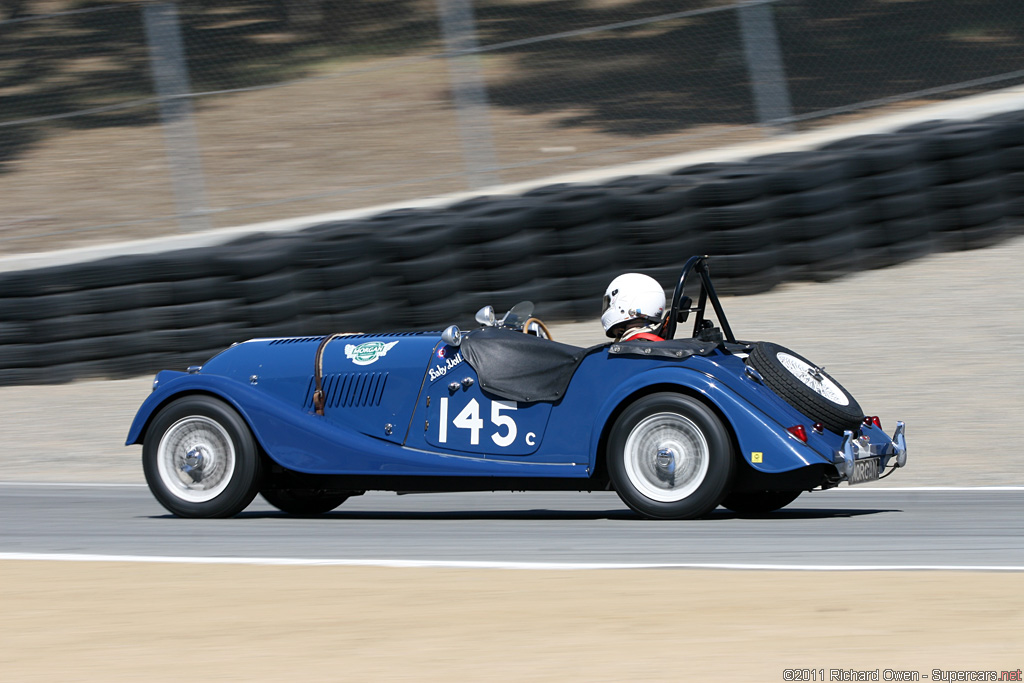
{"x":865,"y":202}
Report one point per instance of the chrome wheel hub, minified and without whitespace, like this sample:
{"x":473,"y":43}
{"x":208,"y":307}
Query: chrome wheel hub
{"x":666,"y":464}
{"x":196,"y":459}
{"x":666,"y":457}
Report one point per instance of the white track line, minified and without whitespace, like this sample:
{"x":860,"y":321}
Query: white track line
{"x":923,"y":488}
{"x":456,"y":564}
{"x":460,"y":564}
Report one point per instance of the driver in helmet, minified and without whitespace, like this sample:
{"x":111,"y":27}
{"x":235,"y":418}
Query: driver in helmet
{"x":633,"y":308}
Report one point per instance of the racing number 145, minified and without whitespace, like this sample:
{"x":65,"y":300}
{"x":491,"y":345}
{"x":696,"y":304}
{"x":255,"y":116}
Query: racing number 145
{"x":469,"y":418}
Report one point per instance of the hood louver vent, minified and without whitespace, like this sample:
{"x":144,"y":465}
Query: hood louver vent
{"x":350,"y":390}
{"x":389,"y":335}
{"x":386,"y":335}
{"x":295,"y":340}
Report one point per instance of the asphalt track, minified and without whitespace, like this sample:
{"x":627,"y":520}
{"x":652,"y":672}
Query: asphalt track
{"x":923,"y":528}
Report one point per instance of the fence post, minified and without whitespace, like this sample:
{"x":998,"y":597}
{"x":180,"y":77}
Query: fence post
{"x":170,"y":78}
{"x":764,"y":63}
{"x":470,"y":92}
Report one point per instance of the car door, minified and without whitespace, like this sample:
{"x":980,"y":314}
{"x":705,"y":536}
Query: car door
{"x":455,"y":415}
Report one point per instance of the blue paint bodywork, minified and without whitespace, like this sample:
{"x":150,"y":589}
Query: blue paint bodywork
{"x":417,"y":409}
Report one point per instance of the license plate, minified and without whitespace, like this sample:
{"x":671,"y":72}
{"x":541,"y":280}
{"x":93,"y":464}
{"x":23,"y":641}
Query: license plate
{"x":864,"y":470}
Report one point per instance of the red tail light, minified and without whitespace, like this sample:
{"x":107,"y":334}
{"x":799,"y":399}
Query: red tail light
{"x":799,"y":431}
{"x":872,"y":420}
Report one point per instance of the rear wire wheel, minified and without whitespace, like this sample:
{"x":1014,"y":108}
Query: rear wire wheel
{"x":759,"y":502}
{"x":670,"y":457}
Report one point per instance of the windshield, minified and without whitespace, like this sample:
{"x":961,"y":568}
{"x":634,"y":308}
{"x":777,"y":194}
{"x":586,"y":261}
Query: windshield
{"x":518,"y":314}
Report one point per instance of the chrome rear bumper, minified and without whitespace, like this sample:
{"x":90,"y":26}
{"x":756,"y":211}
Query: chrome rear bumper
{"x":854,"y":449}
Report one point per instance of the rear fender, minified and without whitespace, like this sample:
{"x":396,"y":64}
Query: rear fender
{"x":764,"y":444}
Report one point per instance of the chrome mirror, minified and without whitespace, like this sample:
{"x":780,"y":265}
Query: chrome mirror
{"x":452,"y":335}
{"x":485,"y":316}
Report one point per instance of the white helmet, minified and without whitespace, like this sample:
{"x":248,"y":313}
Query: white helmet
{"x":631,"y":297}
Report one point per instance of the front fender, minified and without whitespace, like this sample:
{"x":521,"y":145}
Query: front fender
{"x":290,"y":437}
{"x":171,"y":384}
{"x":763,"y":441}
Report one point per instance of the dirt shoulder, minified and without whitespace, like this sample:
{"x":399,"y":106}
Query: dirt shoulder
{"x":110,"y":621}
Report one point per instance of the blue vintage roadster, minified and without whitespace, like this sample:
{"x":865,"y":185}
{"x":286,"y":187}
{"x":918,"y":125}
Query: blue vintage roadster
{"x":675,"y":427}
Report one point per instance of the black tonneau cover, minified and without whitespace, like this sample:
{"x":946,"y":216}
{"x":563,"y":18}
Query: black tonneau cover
{"x":675,"y":348}
{"x":521,"y":367}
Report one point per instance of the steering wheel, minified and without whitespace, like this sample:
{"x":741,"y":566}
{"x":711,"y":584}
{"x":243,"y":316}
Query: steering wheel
{"x":526,"y":327}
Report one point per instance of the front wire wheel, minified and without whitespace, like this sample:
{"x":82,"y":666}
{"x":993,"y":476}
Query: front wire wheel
{"x":670,"y":457}
{"x":196,"y":459}
{"x":200,"y":458}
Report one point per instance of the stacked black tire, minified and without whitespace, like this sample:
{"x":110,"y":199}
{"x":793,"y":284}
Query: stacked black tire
{"x":576,"y":251}
{"x":1010,"y":153}
{"x":817,"y":234}
{"x":497,"y":250}
{"x":653,"y":229}
{"x":966,"y":187}
{"x":735,"y":218}
{"x":117,"y":317}
{"x":865,"y":202}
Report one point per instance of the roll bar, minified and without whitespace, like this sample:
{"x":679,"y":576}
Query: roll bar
{"x":682,"y":306}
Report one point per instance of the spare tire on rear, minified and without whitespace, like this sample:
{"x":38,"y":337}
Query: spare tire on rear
{"x":806,"y":387}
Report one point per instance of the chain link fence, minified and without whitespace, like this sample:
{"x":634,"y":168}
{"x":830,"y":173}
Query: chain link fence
{"x":137,"y":119}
